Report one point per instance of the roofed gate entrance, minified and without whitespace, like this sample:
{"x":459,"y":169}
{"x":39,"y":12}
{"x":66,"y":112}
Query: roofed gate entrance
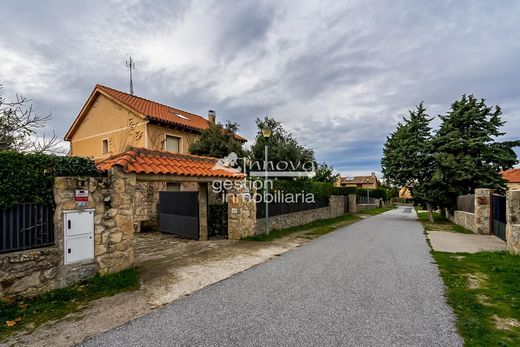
{"x":179,"y":213}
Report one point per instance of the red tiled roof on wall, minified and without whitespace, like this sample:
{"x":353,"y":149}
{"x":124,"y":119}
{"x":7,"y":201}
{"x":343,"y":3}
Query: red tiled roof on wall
{"x":145,"y":161}
{"x":511,"y":175}
{"x":151,"y":110}
{"x":157,"y":111}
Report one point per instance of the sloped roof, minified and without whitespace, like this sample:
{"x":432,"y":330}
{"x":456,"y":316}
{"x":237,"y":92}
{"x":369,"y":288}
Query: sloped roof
{"x":146,"y":161}
{"x":511,"y":175}
{"x":358,"y":180}
{"x":150,"y":110}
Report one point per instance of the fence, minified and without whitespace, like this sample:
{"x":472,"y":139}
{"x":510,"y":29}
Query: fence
{"x":366,"y":200}
{"x":26,"y":226}
{"x":278,"y":208}
{"x":466,"y":203}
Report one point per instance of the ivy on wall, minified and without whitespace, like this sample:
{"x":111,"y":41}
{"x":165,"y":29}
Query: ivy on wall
{"x":29,"y":178}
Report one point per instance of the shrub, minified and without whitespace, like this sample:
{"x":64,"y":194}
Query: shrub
{"x":379,"y":193}
{"x":319,"y":189}
{"x":26,"y":177}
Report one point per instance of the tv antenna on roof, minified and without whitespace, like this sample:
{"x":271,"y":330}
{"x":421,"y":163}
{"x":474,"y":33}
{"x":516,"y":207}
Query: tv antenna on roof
{"x":130,"y":64}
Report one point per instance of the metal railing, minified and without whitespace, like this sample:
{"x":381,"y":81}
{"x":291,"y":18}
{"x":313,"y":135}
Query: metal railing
{"x":466,"y":203}
{"x":26,"y":226}
{"x":278,"y":208}
{"x":366,"y":200}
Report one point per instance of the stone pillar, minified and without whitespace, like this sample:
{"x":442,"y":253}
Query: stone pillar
{"x":203,"y":211}
{"x":513,"y":221}
{"x":336,"y":205}
{"x":241,"y":216}
{"x":352,"y":203}
{"x":483,"y":211}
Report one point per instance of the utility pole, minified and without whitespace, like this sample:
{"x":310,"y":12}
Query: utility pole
{"x":130,"y":64}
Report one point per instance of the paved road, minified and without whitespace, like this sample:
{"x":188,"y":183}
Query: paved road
{"x":369,"y":284}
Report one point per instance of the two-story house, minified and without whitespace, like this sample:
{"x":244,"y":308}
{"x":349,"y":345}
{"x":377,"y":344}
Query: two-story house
{"x":362,"y":182}
{"x":146,"y":138}
{"x":112,"y":120}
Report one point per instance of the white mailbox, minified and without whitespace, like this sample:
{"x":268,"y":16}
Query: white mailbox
{"x":78,"y":235}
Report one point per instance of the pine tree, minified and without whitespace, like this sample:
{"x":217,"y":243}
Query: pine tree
{"x":468,"y":155}
{"x":408,"y":158}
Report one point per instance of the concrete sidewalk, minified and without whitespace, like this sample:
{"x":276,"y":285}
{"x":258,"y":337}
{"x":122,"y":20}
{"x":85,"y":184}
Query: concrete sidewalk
{"x":443,"y":241}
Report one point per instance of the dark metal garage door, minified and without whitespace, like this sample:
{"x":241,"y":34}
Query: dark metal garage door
{"x":179,"y":213}
{"x":499,"y":216}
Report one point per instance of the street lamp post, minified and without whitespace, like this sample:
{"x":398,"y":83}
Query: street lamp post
{"x":266,"y":133}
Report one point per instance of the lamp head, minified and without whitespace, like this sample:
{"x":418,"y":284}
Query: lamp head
{"x":266,"y":133}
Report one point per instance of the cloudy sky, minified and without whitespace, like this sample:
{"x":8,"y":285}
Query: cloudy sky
{"x":338,"y":74}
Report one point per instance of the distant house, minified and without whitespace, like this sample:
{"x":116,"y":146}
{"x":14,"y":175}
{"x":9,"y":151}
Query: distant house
{"x":404,"y":193}
{"x":363,"y":182}
{"x":512,"y":177}
{"x":112,"y":120}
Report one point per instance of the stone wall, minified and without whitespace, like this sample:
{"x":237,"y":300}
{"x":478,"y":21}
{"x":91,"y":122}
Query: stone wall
{"x":336,"y":205}
{"x":34,"y":271}
{"x":352,"y":203}
{"x":361,"y":207}
{"x":513,"y":186}
{"x":289,"y":220}
{"x":513,"y":221}
{"x":482,"y":211}
{"x":241,"y":217}
{"x":147,"y":202}
{"x":478,"y":222}
{"x":242,"y":220}
{"x":146,"y":210}
{"x":465,"y":219}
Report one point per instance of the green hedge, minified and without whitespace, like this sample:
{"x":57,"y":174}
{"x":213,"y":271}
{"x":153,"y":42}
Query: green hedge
{"x":319,"y":189}
{"x":380,"y":193}
{"x":345,"y":190}
{"x":29,"y":178}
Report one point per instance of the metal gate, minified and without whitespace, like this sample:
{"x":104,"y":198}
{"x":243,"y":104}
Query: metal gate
{"x":26,"y":226}
{"x":499,"y":216}
{"x":345,"y":203}
{"x":179,"y":213}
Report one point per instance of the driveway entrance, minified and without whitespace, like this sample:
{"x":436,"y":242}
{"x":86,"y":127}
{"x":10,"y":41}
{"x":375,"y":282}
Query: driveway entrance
{"x":179,"y":213}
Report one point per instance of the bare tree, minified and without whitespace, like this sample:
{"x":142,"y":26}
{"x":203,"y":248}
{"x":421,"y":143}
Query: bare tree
{"x":19,"y":125}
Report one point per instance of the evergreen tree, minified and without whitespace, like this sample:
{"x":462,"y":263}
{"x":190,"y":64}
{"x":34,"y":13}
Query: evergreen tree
{"x":218,"y":141}
{"x":283,"y":147}
{"x":407,"y":157}
{"x":324,"y":173}
{"x":468,"y":155}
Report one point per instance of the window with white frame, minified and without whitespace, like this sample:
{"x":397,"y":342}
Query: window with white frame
{"x":173,"y":144}
{"x":104,"y":146}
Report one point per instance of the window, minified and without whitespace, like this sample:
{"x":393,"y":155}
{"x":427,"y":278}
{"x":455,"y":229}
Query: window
{"x":173,"y":144}
{"x":173,"y":187}
{"x":105,"y":146}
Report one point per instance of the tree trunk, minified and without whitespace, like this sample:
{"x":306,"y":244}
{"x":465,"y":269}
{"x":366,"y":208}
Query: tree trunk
{"x":430,"y":211}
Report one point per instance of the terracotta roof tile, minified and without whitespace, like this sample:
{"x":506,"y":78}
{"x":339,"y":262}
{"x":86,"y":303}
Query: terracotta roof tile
{"x":511,"y":175}
{"x":159,"y":112}
{"x":141,"y":160}
{"x":358,"y":180}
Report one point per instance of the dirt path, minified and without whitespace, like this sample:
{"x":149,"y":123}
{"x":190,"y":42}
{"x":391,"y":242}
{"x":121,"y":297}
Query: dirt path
{"x":169,"y":269}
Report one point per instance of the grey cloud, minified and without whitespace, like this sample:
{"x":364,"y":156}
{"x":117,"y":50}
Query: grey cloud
{"x":340,"y":76}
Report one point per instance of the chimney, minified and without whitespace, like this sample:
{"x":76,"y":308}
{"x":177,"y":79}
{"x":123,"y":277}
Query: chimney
{"x":212,"y":116}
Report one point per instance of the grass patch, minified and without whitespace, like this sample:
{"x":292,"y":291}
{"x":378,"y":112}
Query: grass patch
{"x":441,"y":224}
{"x":377,"y":210}
{"x":318,"y":227}
{"x":484,"y":291}
{"x":29,"y":313}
